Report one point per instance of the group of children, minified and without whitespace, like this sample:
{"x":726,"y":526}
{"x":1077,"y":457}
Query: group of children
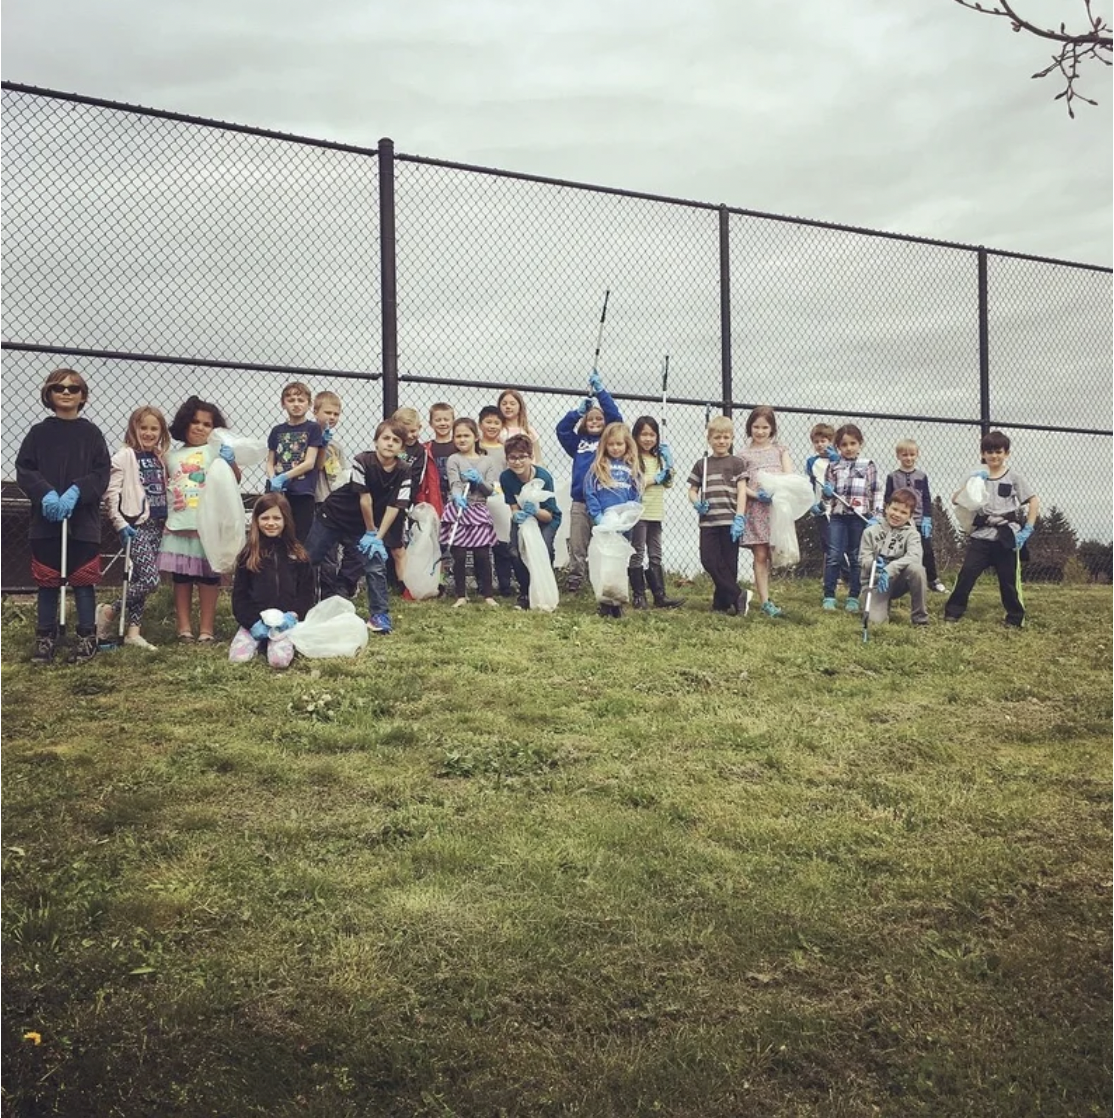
{"x":329,"y":520}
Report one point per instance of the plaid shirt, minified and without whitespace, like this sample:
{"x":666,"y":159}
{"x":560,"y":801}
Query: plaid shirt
{"x":856,"y":481}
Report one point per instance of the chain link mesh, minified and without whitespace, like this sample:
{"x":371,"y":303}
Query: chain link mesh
{"x":155,"y":253}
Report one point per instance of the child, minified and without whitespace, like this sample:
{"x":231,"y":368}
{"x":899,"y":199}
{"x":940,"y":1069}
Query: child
{"x":615,"y":477}
{"x":512,"y":411}
{"x":423,"y":473}
{"x":893,"y":547}
{"x":180,"y":552}
{"x":763,"y":452}
{"x":1001,"y":529}
{"x":441,"y":447}
{"x":821,"y":437}
{"x":272,"y":572}
{"x":466,"y":523}
{"x":657,"y":469}
{"x":135,"y":503}
{"x":718,"y":492}
{"x":342,"y":568}
{"x":521,"y":469}
{"x":852,"y":490}
{"x":579,"y":434}
{"x":366,"y":512}
{"x":293,"y":454}
{"x":909,"y":477}
{"x":63,"y":467}
{"x":491,"y":442}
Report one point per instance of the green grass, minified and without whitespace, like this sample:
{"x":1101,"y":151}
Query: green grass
{"x":518,"y":864}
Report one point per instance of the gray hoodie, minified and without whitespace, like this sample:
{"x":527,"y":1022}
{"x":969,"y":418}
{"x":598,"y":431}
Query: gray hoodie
{"x":900,"y":547}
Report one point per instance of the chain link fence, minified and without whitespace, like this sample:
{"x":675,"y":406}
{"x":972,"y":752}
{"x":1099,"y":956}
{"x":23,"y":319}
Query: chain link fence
{"x":165,"y":255}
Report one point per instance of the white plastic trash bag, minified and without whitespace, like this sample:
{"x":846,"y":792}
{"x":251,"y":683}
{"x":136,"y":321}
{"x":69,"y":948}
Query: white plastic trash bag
{"x":968,"y":501}
{"x":544,"y":595}
{"x":500,"y":516}
{"x":561,"y":540}
{"x":249,"y":450}
{"x":331,"y":628}
{"x":609,"y":552}
{"x":421,"y":573}
{"x":793,"y":497}
{"x":220,"y":516}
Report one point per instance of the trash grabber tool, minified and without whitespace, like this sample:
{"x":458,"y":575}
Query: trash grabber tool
{"x":819,"y":473}
{"x":125,"y":586}
{"x":599,"y":336}
{"x":704,"y":474}
{"x":65,"y":564}
{"x":664,"y":397}
{"x":452,"y":534}
{"x":866,"y":601}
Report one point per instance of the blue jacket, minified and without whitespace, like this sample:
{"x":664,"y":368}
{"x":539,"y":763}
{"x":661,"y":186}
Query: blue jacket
{"x":598,"y":497}
{"x":582,"y":448}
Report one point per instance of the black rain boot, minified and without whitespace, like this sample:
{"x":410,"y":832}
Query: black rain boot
{"x":46,"y":645}
{"x":84,"y":647}
{"x":616,"y":611}
{"x":637,"y":587}
{"x":603,"y":609}
{"x":655,"y":576}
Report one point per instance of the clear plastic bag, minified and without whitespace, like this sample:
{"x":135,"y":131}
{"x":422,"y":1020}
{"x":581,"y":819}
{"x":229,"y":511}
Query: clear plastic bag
{"x":249,"y":450}
{"x":968,"y":501}
{"x":792,"y":498}
{"x":609,"y":553}
{"x":220,"y":507}
{"x":331,"y":628}
{"x":561,"y":540}
{"x":422,"y":572}
{"x":544,"y":595}
{"x":500,"y":516}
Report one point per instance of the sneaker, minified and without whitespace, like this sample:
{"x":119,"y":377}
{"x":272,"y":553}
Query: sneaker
{"x":523,"y":602}
{"x":770,"y":610}
{"x":84,"y":648}
{"x":852,"y":605}
{"x":939,"y":587}
{"x":379,"y":623}
{"x":46,"y":644}
{"x":828,"y":603}
{"x":105,"y":616}
{"x":137,"y":641}
{"x":573,"y":586}
{"x":951,"y":620}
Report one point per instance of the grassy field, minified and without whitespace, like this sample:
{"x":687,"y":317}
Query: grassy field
{"x":518,"y":864}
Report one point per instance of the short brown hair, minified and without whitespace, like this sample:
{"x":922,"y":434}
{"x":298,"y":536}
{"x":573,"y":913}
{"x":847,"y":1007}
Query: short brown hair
{"x":852,"y":430}
{"x":822,"y":431}
{"x":395,"y":427}
{"x":905,"y":497}
{"x":519,"y":444}
{"x":994,"y":440}
{"x":441,"y":406}
{"x":57,"y":377}
{"x":296,"y":387}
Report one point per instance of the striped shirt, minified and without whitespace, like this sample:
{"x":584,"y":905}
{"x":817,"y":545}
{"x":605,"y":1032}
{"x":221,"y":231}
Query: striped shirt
{"x":722,"y":490}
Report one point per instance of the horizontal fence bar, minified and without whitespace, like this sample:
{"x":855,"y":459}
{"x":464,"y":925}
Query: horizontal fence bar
{"x":193,"y":362}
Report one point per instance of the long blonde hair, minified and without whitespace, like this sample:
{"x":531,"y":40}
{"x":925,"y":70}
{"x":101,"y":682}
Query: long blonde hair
{"x":131,"y":438}
{"x":601,"y":464}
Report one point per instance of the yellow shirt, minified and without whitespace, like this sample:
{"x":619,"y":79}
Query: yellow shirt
{"x":653,"y":496}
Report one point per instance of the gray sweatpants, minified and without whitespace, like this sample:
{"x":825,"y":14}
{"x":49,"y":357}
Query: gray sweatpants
{"x":580,"y":536}
{"x":913,"y":581}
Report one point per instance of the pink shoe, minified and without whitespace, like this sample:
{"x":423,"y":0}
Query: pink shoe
{"x":243,"y":648}
{"x":280,"y":651}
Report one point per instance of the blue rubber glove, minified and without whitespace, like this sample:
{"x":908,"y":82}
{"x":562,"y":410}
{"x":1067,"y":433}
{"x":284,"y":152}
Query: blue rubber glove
{"x":764,"y":497}
{"x":460,"y":500}
{"x":595,"y":382}
{"x":666,"y":456}
{"x":371,"y":545}
{"x":661,"y":477}
{"x":50,"y":507}
{"x":289,"y":620}
{"x":228,"y":454}
{"x":982,"y":474}
{"x":126,"y":533}
{"x":817,"y":509}
{"x":702,"y":507}
{"x":597,"y":520}
{"x":529,"y":508}
{"x":831,"y":454}
{"x":738,"y":527}
{"x":873,"y":520}
{"x":68,"y":502}
{"x":260,"y":631}
{"x":828,"y":490}
{"x":472,"y":476}
{"x":1022,"y":537}
{"x":926,"y":528}
{"x":584,"y":406}
{"x":278,"y":483}
{"x":882,"y":581}
{"x":520,"y":517}
{"x":327,"y":435}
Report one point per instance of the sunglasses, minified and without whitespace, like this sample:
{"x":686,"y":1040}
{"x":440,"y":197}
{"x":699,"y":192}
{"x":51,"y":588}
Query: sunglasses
{"x":68,"y":389}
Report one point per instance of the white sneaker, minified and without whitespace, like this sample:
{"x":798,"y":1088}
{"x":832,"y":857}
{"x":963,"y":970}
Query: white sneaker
{"x":939,"y":587}
{"x":104,"y":618}
{"x":137,"y":641}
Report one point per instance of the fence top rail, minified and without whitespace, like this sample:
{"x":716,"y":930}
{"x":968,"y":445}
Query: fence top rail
{"x":357,"y":149}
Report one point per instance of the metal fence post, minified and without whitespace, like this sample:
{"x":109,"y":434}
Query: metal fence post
{"x":388,"y":276}
{"x":984,"y":346}
{"x":725,"y":308}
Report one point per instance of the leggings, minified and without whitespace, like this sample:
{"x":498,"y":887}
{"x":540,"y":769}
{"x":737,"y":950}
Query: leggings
{"x":481,"y":564}
{"x":145,"y":570}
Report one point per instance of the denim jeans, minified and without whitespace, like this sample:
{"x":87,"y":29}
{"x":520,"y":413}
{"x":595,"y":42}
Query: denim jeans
{"x":844,"y":535}
{"x":324,"y":536}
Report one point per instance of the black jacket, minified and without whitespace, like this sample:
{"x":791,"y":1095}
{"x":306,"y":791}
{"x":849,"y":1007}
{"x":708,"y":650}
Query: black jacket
{"x":280,"y":583}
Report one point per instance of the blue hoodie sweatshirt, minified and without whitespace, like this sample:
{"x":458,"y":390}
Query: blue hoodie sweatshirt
{"x":582,"y":448}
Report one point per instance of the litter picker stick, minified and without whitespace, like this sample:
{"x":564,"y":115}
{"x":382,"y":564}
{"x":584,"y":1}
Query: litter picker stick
{"x":599,"y":336}
{"x":869,"y":595}
{"x":704,"y":476}
{"x":125,"y":585}
{"x":65,"y":564}
{"x":452,"y":534}
{"x":664,"y":396}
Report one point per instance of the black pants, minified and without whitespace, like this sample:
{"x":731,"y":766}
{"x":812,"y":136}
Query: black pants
{"x":302,"y":506}
{"x":504,"y":567}
{"x":980,"y":555}
{"x":481,"y":565}
{"x":929,"y":562}
{"x":720,"y":558}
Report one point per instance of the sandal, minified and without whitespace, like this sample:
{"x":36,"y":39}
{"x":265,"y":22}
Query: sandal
{"x":185,"y":638}
{"x":205,"y":638}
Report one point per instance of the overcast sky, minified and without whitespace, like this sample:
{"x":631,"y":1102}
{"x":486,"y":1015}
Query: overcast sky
{"x":915,"y":116}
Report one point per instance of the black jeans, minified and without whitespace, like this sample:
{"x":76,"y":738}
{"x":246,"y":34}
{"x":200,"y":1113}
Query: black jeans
{"x":1006,"y":562}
